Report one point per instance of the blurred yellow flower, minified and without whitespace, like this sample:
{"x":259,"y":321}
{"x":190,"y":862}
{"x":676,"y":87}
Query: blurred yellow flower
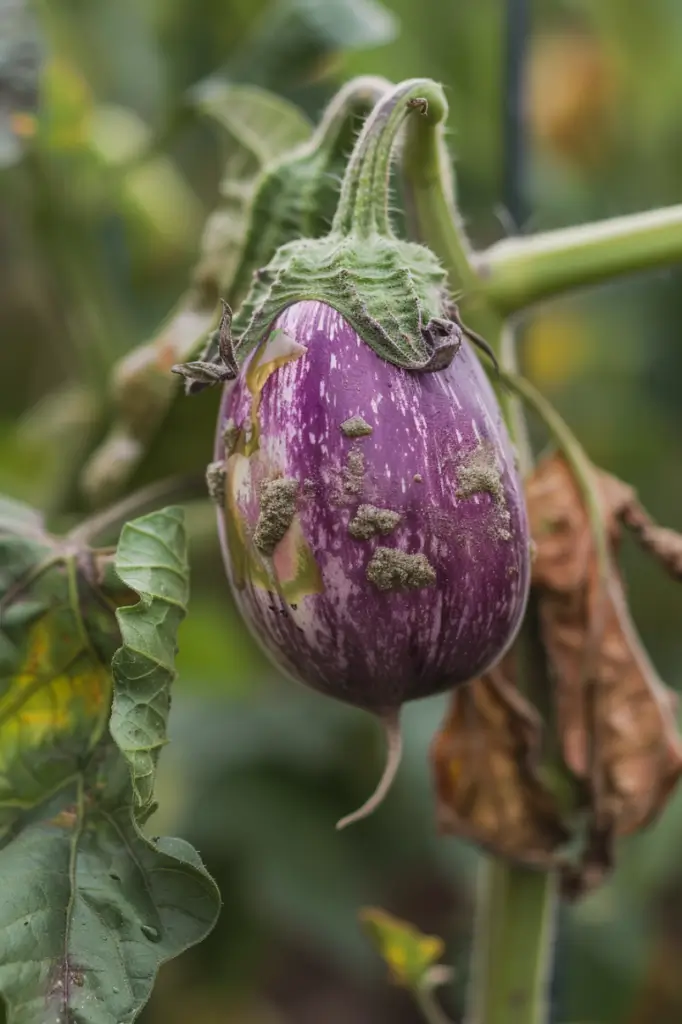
{"x":556,"y":347}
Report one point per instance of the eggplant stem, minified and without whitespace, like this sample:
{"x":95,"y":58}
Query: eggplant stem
{"x":394,"y":752}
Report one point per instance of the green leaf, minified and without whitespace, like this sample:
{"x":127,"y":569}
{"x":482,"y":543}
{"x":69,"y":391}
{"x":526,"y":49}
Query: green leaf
{"x":296,"y":37}
{"x":152,"y":560}
{"x":260,"y":128}
{"x":89,"y":907}
{"x":260,"y":124}
{"x":409,"y":954}
{"x":17,"y":515}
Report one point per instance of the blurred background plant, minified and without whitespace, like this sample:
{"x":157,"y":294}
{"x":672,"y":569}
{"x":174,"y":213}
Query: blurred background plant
{"x":106,"y":184}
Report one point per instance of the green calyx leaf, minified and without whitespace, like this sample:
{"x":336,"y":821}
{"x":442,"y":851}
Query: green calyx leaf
{"x":90,"y":907}
{"x":391,"y":291}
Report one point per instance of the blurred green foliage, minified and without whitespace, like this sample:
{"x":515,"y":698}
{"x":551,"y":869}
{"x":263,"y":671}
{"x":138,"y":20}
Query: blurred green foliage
{"x":104,"y":196}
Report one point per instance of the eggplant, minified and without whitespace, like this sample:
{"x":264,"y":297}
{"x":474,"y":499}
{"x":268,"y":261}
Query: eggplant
{"x":372,"y":519}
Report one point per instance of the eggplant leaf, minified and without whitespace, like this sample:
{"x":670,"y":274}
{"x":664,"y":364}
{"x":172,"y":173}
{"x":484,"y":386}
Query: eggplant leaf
{"x":90,"y":907}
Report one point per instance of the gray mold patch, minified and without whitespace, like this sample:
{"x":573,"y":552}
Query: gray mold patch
{"x":354,"y":471}
{"x":370,"y":520}
{"x":231,"y":434}
{"x":277,"y":511}
{"x":356,"y":427}
{"x":215,"y":481}
{"x":390,"y":569}
{"x":479,"y":473}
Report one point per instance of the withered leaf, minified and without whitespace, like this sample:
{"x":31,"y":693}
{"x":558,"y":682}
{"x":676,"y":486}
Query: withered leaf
{"x":485,"y":765}
{"x":617,"y":726}
{"x":615,"y":718}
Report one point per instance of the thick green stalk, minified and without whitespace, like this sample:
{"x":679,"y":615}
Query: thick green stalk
{"x":518,"y":272}
{"x":514,"y":933}
{"x":429,"y":198}
{"x":512,"y":962}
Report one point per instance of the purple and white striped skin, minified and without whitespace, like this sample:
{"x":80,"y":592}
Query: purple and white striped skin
{"x":438,"y":455}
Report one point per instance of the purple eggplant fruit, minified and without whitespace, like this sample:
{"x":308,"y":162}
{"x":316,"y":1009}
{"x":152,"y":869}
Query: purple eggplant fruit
{"x":372,"y":520}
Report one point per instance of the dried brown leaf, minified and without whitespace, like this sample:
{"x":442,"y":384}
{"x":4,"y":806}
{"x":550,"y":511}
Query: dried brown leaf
{"x":615,"y":718}
{"x":617,"y":727}
{"x":484,"y":760}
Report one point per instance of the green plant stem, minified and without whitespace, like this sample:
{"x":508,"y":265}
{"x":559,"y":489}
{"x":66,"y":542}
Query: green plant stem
{"x":513,"y":938}
{"x":516,"y":907}
{"x":518,"y":272}
{"x":429,"y":1007}
{"x":429,"y":197}
{"x":511,"y":404}
{"x":514,"y":945}
{"x":363,"y":202}
{"x":107,"y":524}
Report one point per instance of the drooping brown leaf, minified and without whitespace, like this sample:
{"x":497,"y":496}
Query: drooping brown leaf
{"x":617,"y":725}
{"x":485,"y":764}
{"x":615,"y":718}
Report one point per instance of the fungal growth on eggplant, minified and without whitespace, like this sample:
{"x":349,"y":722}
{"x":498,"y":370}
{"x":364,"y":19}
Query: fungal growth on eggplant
{"x":230,"y":436}
{"x":354,"y":471}
{"x":373,"y":529}
{"x":277,"y":509}
{"x":356,"y":427}
{"x":370,"y":520}
{"x":479,"y":473}
{"x":391,"y":569}
{"x":215,"y":482}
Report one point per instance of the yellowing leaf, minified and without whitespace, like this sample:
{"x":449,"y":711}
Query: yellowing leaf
{"x":79,"y":877}
{"x":409,"y":953}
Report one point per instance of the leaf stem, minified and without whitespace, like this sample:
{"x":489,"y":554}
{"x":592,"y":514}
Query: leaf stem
{"x":107,"y":524}
{"x":518,"y":272}
{"x":429,"y":1007}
